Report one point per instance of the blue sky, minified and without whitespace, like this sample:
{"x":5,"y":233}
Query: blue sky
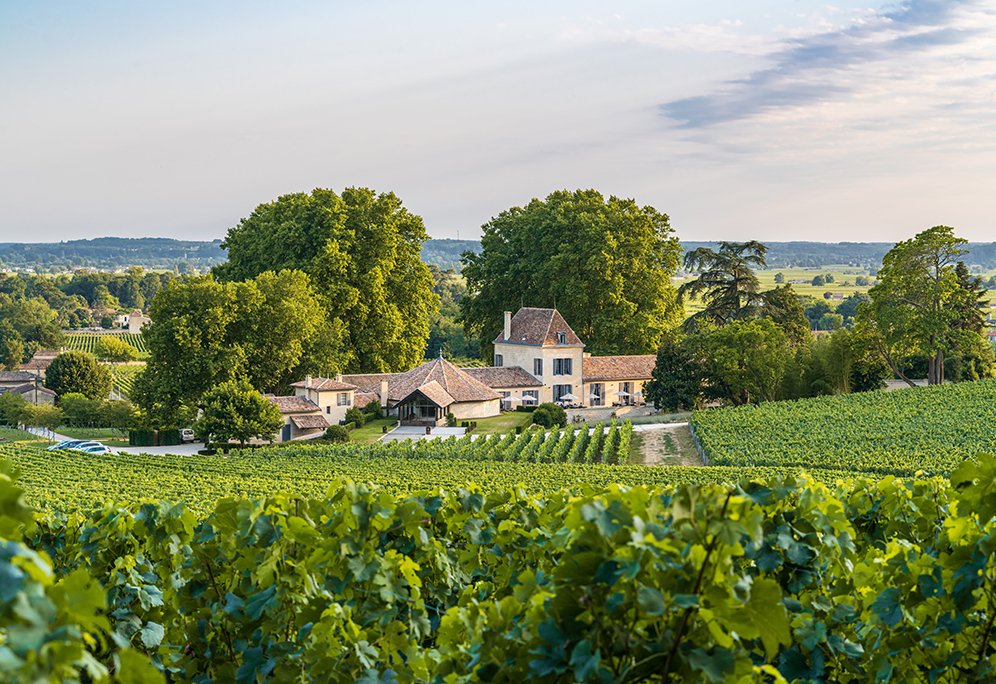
{"x":767,"y":120}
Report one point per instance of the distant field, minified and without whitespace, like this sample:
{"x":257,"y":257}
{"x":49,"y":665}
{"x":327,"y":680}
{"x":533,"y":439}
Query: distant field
{"x":843,"y":283}
{"x":930,"y":429}
{"x":88,"y":341}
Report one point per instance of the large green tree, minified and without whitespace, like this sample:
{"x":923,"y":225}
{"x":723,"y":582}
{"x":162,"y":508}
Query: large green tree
{"x":76,"y":371}
{"x":362,"y":251}
{"x":268,"y":331}
{"x":235,"y":411}
{"x":606,"y":264}
{"x":191,"y":349}
{"x":920,"y":306}
{"x":725,"y":281}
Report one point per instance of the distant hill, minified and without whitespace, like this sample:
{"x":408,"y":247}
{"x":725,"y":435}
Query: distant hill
{"x":188,"y":255}
{"x":446,"y":253}
{"x":112,"y":253}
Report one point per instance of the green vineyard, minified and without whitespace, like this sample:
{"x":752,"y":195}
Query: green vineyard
{"x":87,"y":342}
{"x":123,"y":377}
{"x":774,"y":580}
{"x":929,"y":429}
{"x":68,"y":482}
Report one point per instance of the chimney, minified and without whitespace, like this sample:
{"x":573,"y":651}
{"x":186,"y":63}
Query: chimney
{"x":338,"y":377}
{"x":307,"y":382}
{"x":508,"y":325}
{"x":383,"y":393}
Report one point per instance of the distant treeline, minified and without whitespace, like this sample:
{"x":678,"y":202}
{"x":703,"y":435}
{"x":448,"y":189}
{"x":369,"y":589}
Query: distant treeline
{"x":185,"y":256}
{"x":868,"y":255}
{"x":191,"y":256}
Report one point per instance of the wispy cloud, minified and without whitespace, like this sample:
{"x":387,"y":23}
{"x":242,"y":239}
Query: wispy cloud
{"x":831,"y":65}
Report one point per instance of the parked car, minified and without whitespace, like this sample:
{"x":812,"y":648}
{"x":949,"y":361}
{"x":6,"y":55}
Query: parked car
{"x":187,"y":435}
{"x":66,"y":444}
{"x":94,"y":449}
{"x":74,"y":445}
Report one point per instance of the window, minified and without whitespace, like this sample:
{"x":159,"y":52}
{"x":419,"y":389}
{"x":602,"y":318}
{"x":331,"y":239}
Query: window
{"x":562,"y":366}
{"x":560,"y":390}
{"x":561,"y":338}
{"x":342,"y":399}
{"x":328,"y":409}
{"x":533,"y":394}
{"x":499,"y":360}
{"x":538,"y":367}
{"x":597,"y":397}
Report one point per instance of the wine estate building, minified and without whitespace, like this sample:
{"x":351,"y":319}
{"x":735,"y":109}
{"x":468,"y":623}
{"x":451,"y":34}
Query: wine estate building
{"x":538,"y":358}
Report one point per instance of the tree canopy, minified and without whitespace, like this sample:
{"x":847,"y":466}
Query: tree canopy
{"x":726,"y":282}
{"x":606,"y":264}
{"x":76,"y":371}
{"x":235,"y":411}
{"x":268,"y":332}
{"x":921,"y":305}
{"x":361,"y":250}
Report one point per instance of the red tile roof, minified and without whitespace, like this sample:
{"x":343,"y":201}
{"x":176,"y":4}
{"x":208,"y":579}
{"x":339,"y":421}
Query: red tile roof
{"x":600,"y":368}
{"x":294,"y":404}
{"x":538,"y":327}
{"x":325,"y":385}
{"x":310,"y":422}
{"x":503,"y":376}
{"x":457,"y":383}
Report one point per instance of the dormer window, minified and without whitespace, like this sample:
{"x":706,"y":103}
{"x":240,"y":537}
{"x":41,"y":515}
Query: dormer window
{"x":561,"y":338}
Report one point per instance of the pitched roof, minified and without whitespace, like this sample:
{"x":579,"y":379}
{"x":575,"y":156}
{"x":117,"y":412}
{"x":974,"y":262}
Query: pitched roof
{"x":458,"y":384}
{"x":294,"y":404}
{"x":538,"y":327}
{"x":361,"y":399}
{"x":26,"y":388}
{"x":16,"y":376}
{"x":503,"y":376}
{"x":370,"y":382}
{"x":596,"y":368}
{"x":435,"y":393}
{"x":325,"y":385}
{"x":36,"y":363}
{"x":310,"y":422}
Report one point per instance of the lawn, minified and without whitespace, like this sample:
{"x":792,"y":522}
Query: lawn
{"x":372,"y":431}
{"x":15,"y":435}
{"x":109,"y":436}
{"x":503,"y":424}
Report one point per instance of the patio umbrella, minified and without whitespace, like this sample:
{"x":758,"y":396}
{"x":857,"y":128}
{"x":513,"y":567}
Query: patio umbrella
{"x":637,"y":394}
{"x":528,"y":400}
{"x":593,"y":397}
{"x":511,"y":399}
{"x":568,"y":397}
{"x":620,"y":393}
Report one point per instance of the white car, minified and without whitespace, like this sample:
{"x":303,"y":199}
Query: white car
{"x":187,"y":435}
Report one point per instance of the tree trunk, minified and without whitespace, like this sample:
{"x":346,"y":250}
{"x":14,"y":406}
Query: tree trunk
{"x":939,"y":363}
{"x":892,"y":365}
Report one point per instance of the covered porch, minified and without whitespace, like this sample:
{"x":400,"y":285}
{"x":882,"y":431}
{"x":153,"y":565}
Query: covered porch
{"x":425,"y":406}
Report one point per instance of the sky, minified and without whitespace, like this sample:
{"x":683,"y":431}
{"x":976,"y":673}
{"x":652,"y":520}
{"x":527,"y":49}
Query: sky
{"x":769,"y":119}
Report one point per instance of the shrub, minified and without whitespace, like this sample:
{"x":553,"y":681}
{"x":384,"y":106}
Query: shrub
{"x":373,"y":411}
{"x":338,"y":434}
{"x":451,"y":420}
{"x":550,"y":415}
{"x":357,"y":416}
